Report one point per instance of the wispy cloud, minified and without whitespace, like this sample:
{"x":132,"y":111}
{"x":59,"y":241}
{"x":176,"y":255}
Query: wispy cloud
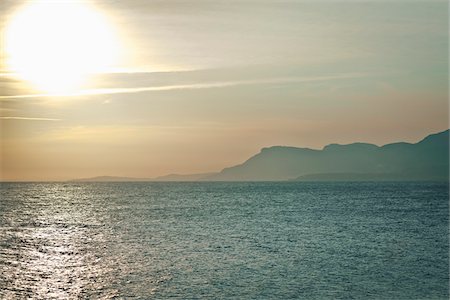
{"x":29,"y":119}
{"x":221,"y":84}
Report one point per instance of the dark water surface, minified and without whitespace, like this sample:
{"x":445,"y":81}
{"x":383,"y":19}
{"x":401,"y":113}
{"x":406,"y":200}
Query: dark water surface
{"x":224,"y":240}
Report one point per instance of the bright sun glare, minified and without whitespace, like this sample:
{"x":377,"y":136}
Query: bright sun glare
{"x":56,"y":45}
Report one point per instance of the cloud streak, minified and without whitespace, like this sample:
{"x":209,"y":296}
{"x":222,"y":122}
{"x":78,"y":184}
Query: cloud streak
{"x":220,"y":84}
{"x":29,"y":119}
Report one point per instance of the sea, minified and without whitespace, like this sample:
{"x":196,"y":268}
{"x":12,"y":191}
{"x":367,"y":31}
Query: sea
{"x":224,"y":240}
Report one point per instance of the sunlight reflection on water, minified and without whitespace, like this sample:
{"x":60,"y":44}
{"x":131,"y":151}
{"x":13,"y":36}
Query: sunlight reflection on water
{"x":224,"y":240}
{"x":52,"y":247}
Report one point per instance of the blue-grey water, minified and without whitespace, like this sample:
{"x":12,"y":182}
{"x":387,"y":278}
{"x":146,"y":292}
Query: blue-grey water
{"x":224,"y":240}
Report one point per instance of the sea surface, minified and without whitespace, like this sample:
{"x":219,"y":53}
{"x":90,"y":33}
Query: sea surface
{"x":279,"y":240}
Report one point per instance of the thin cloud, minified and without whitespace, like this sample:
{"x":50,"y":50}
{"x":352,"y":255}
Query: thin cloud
{"x":221,"y":84}
{"x":29,"y":119}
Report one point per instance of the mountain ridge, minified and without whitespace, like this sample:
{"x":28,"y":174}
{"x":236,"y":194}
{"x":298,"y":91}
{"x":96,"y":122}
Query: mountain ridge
{"x":424,"y":160}
{"x":428,"y":159}
{"x":165,"y":178}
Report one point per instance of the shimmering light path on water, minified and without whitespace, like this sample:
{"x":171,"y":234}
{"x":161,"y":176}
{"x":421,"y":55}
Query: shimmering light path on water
{"x":224,"y":240}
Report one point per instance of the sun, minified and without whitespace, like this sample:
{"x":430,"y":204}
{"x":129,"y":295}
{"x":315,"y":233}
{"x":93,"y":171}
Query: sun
{"x":57,"y":45}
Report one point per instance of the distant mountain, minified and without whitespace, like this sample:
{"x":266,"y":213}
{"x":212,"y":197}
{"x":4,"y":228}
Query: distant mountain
{"x":362,"y":177}
{"x":170,"y":177}
{"x":109,"y":179}
{"x":425,"y":160}
{"x":181,"y":177}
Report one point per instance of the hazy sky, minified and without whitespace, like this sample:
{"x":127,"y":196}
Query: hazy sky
{"x":203,"y":85}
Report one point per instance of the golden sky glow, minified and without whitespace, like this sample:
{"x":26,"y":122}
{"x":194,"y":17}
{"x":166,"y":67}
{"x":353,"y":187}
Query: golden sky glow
{"x":145,"y":88}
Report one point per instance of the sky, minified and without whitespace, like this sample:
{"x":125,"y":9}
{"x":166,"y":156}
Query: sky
{"x":196,"y":86}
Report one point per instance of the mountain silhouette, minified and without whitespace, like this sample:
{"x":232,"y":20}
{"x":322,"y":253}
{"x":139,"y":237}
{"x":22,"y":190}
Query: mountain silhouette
{"x":170,"y":177}
{"x":109,"y":179}
{"x":182,"y":177}
{"x":425,"y":160}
